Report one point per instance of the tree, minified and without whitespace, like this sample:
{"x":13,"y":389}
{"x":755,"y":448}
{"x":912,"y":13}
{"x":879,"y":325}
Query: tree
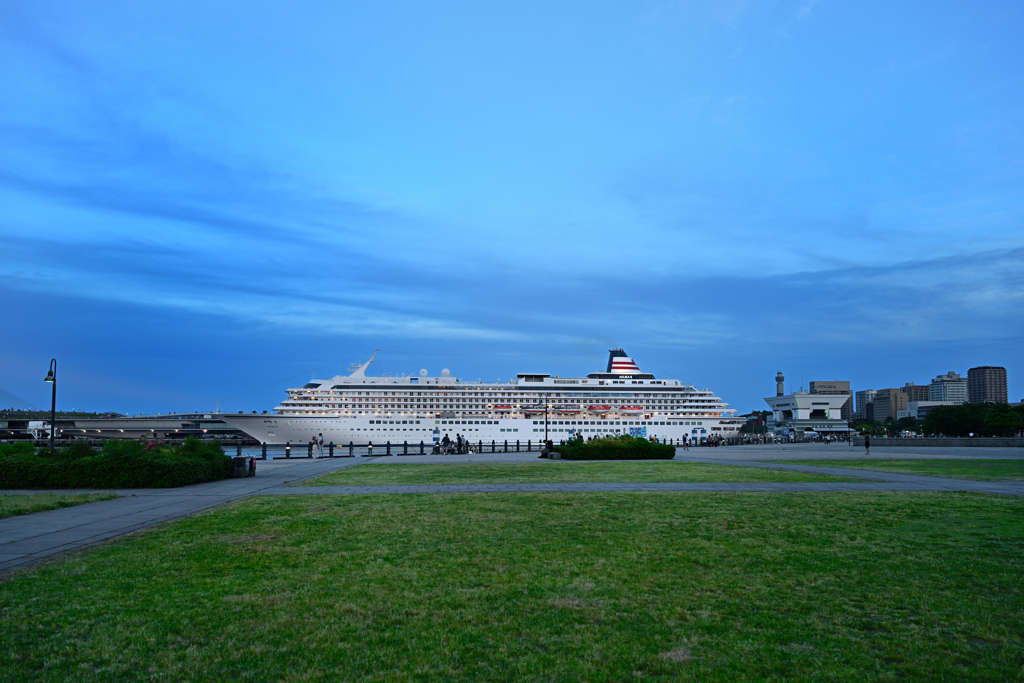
{"x":1002,"y":420}
{"x":962,"y":420}
{"x":907,"y":424}
{"x":868,"y":427}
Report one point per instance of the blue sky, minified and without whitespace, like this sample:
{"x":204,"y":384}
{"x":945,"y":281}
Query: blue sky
{"x":202,"y":202}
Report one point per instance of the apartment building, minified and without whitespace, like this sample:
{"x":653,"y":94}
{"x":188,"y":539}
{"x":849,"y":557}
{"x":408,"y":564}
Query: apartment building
{"x":987,"y":384}
{"x":950,"y":387}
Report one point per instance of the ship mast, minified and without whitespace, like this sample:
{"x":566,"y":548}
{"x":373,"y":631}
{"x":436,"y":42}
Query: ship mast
{"x":360,"y":370}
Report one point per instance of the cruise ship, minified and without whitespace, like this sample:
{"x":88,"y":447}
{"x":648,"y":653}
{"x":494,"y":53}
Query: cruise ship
{"x":365,"y":409}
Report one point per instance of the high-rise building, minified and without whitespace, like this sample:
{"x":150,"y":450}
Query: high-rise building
{"x":949,"y":387}
{"x":986,"y":384}
{"x":916,"y":392}
{"x":887,"y":403}
{"x":836,"y":387}
{"x":864,"y":400}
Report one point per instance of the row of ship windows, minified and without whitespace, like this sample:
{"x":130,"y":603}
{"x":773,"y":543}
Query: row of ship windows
{"x":310,"y":412}
{"x":636,"y":423}
{"x":391,"y":429}
{"x":511,"y":397}
{"x":612,"y":422}
{"x":581,"y":423}
{"x":565,"y":422}
{"x":616,"y":431}
{"x":506,"y":397}
{"x":438,"y":403}
{"x":497,"y":399}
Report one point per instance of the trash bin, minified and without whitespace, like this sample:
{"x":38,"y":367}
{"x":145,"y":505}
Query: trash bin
{"x":245,"y":466}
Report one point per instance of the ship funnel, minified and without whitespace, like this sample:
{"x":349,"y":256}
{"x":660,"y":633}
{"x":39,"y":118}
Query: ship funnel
{"x":619,"y":363}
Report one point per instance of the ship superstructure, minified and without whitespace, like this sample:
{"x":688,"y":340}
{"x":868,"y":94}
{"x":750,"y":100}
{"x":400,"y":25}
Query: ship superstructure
{"x":363,"y":409}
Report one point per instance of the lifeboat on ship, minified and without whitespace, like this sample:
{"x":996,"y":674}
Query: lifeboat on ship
{"x":503,"y":409}
{"x":631,"y":410}
{"x":567,"y":410}
{"x":599,"y":409}
{"x":533,"y":411}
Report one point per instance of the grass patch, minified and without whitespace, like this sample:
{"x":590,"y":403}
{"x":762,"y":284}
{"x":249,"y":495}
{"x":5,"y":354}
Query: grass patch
{"x":550,"y":472}
{"x":12,"y":504}
{"x":982,"y":470}
{"x":553,"y":587}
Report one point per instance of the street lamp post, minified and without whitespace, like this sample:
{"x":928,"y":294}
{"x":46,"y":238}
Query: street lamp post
{"x":545,"y":421}
{"x":51,"y":377}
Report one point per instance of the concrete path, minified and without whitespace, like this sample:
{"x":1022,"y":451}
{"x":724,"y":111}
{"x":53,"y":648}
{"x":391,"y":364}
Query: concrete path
{"x":28,"y":539}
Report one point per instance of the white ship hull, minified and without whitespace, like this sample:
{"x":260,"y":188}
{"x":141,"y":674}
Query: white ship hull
{"x":276,"y":429}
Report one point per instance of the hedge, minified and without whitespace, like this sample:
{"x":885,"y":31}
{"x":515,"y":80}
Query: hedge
{"x":118,"y":464}
{"x":620,"y":448}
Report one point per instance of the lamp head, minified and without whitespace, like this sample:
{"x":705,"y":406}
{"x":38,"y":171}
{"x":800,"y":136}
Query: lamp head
{"x":49,"y":376}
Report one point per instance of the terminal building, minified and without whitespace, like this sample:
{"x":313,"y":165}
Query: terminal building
{"x":840,"y":387}
{"x":801,"y":412}
{"x":170,"y":427}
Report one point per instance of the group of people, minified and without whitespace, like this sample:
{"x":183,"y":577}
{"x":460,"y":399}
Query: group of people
{"x":448,"y":446}
{"x":317,"y":445}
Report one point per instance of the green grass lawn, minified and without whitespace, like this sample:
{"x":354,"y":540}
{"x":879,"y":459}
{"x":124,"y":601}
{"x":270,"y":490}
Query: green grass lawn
{"x":982,"y":470}
{"x":556,"y":472}
{"x":547,"y":587}
{"x":27,"y":503}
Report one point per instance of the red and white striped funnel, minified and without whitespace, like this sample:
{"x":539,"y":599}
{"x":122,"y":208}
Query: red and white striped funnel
{"x":621,"y":364}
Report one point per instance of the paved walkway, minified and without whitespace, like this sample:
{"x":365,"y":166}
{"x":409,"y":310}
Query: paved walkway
{"x":28,"y":539}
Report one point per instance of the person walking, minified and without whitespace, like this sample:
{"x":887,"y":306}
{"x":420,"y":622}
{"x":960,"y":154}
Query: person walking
{"x":320,"y":445}
{"x":867,"y":444}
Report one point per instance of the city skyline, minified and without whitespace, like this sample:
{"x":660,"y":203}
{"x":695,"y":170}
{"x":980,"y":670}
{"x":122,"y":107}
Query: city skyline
{"x":202,"y":200}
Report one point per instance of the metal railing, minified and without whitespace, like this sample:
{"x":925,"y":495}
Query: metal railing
{"x":351,"y":449}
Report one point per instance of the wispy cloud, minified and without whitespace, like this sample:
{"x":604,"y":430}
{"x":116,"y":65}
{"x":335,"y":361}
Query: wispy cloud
{"x":806,"y":9}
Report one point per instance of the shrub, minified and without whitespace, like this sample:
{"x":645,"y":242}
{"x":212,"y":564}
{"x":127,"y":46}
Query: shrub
{"x":119,"y":464}
{"x":12,"y":448}
{"x":616,"y":448}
